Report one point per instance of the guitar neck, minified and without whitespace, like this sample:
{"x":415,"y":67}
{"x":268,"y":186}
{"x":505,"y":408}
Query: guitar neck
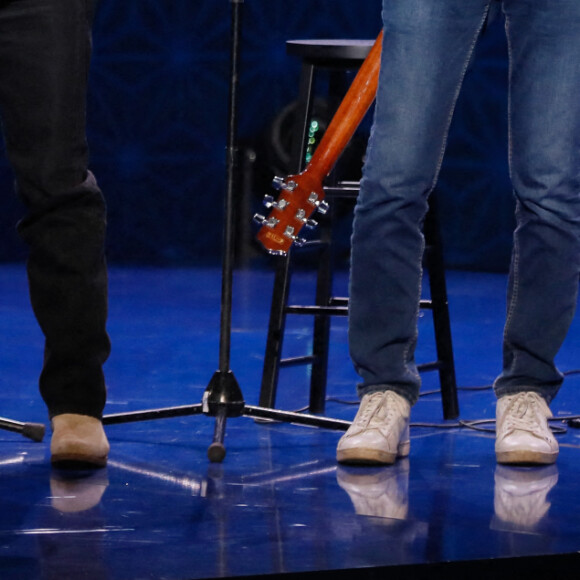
{"x":349,"y":114}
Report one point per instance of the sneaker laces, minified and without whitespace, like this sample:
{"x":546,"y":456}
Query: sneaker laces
{"x":371,"y":405}
{"x":375,"y":403}
{"x":523,"y":414}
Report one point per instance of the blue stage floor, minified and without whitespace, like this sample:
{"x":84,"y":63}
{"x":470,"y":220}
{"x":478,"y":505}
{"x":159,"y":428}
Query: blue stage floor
{"x":278,"y":504}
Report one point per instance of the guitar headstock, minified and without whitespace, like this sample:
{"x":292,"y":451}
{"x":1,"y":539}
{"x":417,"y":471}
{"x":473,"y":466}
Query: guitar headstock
{"x":300,"y":196}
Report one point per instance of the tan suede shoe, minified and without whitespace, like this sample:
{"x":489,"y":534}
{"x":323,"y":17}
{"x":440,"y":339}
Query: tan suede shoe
{"x":78,"y":439}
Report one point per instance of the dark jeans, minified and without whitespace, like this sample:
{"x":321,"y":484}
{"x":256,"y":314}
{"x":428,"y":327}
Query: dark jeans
{"x":44,"y":57}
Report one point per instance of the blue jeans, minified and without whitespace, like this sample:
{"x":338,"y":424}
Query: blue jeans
{"x":44,"y":57}
{"x":427,"y":46}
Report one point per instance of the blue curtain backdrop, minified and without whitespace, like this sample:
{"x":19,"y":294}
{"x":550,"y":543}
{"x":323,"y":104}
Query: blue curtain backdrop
{"x":157,"y":126}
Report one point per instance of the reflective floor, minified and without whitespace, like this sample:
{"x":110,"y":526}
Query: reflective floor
{"x":278,"y":504}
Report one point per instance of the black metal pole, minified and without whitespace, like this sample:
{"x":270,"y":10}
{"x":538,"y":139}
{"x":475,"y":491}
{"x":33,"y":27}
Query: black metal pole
{"x":229,"y":214}
{"x":223,"y":397}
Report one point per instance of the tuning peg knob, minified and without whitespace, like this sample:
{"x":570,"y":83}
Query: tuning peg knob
{"x":270,"y":203}
{"x":322,"y":207}
{"x":279,"y":183}
{"x":289,"y":233}
{"x":311,"y":223}
{"x":263,"y":221}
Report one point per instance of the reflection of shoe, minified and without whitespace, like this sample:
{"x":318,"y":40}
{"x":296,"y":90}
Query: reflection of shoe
{"x":520,"y":493}
{"x":78,"y":439}
{"x":76,"y":493}
{"x":383,"y":493}
{"x":379,"y":433}
{"x":522,"y":431}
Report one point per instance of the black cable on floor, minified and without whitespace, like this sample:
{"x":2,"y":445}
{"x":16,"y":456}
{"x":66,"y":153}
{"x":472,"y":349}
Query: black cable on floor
{"x":571,"y":420}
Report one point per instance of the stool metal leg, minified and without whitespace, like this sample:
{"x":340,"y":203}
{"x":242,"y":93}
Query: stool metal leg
{"x":275,"y":337}
{"x":322,"y":322}
{"x":440,"y":309}
{"x":303,"y":113}
{"x":321,"y":331}
{"x":277,"y":323}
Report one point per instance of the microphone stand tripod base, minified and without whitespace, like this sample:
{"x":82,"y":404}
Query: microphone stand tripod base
{"x":222,"y":399}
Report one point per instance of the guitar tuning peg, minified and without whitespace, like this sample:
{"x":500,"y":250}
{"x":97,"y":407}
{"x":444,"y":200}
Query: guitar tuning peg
{"x":311,"y":223}
{"x":301,"y":215}
{"x":289,"y":233}
{"x":323,"y":207}
{"x":270,"y":203}
{"x":279,"y":183}
{"x":320,"y":205}
{"x":263,"y":221}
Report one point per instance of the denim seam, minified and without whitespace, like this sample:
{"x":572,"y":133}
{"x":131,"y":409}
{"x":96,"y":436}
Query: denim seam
{"x":516,"y":249}
{"x":456,"y":96}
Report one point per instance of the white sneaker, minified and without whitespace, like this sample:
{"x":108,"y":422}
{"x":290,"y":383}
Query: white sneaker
{"x":522,"y":431}
{"x":379,"y":433}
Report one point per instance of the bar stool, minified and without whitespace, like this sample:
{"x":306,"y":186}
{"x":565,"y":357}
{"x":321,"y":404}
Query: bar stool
{"x":336,"y":58}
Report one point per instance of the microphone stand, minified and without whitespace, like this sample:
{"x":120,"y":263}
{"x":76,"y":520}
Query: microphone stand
{"x":223,"y":397}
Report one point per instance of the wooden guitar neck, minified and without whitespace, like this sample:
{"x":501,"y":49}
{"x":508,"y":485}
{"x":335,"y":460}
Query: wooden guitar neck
{"x":302,"y":194}
{"x":349,"y":114}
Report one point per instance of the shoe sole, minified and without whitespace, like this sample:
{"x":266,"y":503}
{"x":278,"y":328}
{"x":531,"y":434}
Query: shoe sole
{"x":78,"y":461}
{"x":369,"y":456}
{"x":526,"y":457}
